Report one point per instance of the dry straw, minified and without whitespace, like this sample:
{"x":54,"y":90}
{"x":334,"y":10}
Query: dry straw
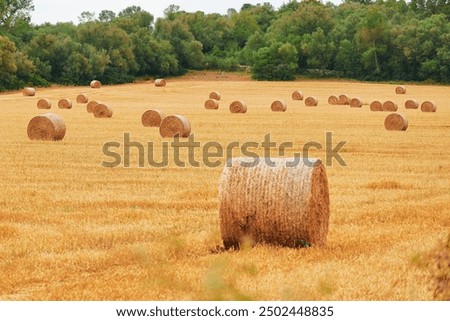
{"x":401,"y":90}
{"x":344,"y":100}
{"x":297,"y":95}
{"x":28,"y":91}
{"x":152,"y":118}
{"x":311,"y":101}
{"x":211,"y":104}
{"x":175,"y":126}
{"x":64,"y":103}
{"x":428,"y":107}
{"x":215,"y":95}
{"x":238,"y":107}
{"x":279,"y":105}
{"x":285,"y":202}
{"x":96,"y":84}
{"x":411,"y":104}
{"x":396,"y":121}
{"x":102,"y":111}
{"x":160,"y":82}
{"x":333,"y":100}
{"x":91,"y":105}
{"x":82,"y":99}
{"x":44,"y":103}
{"x":46,"y":127}
{"x":389,"y":106}
{"x":356,"y":102}
{"x":376,"y":106}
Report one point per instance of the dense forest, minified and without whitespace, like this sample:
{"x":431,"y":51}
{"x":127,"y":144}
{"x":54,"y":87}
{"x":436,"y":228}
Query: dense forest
{"x":379,"y":40}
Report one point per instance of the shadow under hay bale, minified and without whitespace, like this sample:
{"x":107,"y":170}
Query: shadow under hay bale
{"x":396,"y":122}
{"x":175,"y":126}
{"x":152,"y":118}
{"x":47,"y":127}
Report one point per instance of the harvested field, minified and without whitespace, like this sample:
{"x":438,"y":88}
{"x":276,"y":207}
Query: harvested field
{"x":72,"y":229}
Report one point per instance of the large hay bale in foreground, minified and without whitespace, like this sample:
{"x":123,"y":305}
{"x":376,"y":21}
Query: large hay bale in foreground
{"x":297,"y":95}
{"x":46,"y":127}
{"x":311,"y":101}
{"x":65,"y":103}
{"x":82,"y":99}
{"x":396,"y":121}
{"x":428,"y":107}
{"x":215,"y":95}
{"x":389,"y":106}
{"x":400,"y":90}
{"x":44,"y":103}
{"x":91,"y":105}
{"x":152,"y":118}
{"x":279,"y":105}
{"x":376,"y":106}
{"x":411,"y":104}
{"x":238,"y":107}
{"x":285,"y":203}
{"x":29,"y":91}
{"x":333,"y":100}
{"x":95,"y":84}
{"x":175,"y":126}
{"x":102,"y":111}
{"x":344,"y":100}
{"x":160,"y":83}
{"x":211,"y":104}
{"x":356,"y":102}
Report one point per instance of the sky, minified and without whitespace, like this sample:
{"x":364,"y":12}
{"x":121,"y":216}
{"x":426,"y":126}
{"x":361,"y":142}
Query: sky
{"x":61,"y":11}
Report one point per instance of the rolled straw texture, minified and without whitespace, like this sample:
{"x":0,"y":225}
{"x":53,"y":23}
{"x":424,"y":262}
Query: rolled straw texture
{"x":28,"y":91}
{"x":102,"y":111}
{"x":44,"y":103}
{"x":175,"y":126}
{"x":376,"y":106}
{"x":238,"y":107}
{"x":95,"y":84}
{"x":356,"y":102}
{"x":411,"y":104}
{"x":311,"y":101}
{"x":279,"y":105}
{"x":333,"y":100}
{"x":215,"y":95}
{"x":400,"y":90}
{"x":211,"y":104}
{"x":160,"y":83}
{"x":91,"y":105}
{"x":428,"y":107}
{"x":152,"y":118}
{"x":390,"y":106}
{"x":82,"y":99}
{"x":64,"y":103}
{"x":396,"y":121}
{"x":46,"y":127}
{"x":297,"y":95}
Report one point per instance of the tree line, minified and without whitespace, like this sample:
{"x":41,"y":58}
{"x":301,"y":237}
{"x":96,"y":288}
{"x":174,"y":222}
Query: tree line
{"x":378,"y":40}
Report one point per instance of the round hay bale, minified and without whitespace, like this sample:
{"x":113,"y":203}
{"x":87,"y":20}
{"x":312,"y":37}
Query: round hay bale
{"x":311,"y":101}
{"x":102,"y":111}
{"x":400,"y":90}
{"x":175,"y":126}
{"x":285,"y":202}
{"x":297,"y":95}
{"x":376,"y":106}
{"x":215,"y":95}
{"x":160,"y":82}
{"x":152,"y":118}
{"x":428,"y":107}
{"x":396,"y":121}
{"x":91,"y":105}
{"x":28,"y":91}
{"x":356,"y":102}
{"x":389,"y":106}
{"x":279,"y":105}
{"x":238,"y":107}
{"x":46,"y":127}
{"x":333,"y":100}
{"x":82,"y":99}
{"x":344,"y":100}
{"x":64,"y":103}
{"x":411,"y":104}
{"x":44,"y":103}
{"x":96,"y":84}
{"x":211,"y":104}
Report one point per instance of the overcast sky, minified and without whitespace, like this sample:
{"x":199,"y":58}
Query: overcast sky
{"x":61,"y":11}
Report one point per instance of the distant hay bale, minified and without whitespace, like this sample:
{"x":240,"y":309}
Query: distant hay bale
{"x":215,"y":95}
{"x":376,"y":106}
{"x":44,"y":103}
{"x":400,"y":90}
{"x":29,"y":91}
{"x":211,"y":104}
{"x":389,"y":106}
{"x":284,"y":203}
{"x":102,"y":111}
{"x":411,"y":104}
{"x":279,"y":105}
{"x":238,"y":107}
{"x":396,"y":121}
{"x":91,"y":105}
{"x":160,"y":82}
{"x":333,"y":100}
{"x":356,"y":102}
{"x":152,"y":118}
{"x":64,"y":103}
{"x":297,"y":95}
{"x":428,"y":107}
{"x":344,"y":100}
{"x":96,"y":84}
{"x":311,"y":101}
{"x":82,"y":99}
{"x":47,"y":127}
{"x":175,"y":126}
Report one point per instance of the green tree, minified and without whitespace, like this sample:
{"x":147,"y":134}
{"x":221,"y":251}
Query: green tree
{"x":12,"y":11}
{"x":276,"y":62}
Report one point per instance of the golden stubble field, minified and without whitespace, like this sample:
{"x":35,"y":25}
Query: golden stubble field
{"x":71,"y":229}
